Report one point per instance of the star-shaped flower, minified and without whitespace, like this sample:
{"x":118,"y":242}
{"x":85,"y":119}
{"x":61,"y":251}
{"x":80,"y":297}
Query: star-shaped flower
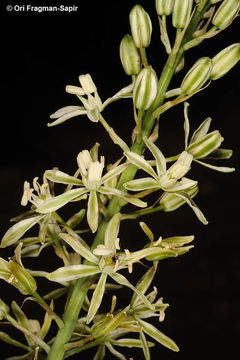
{"x":170,"y":180}
{"x":204,"y":145}
{"x":92,"y":104}
{"x":92,"y":183}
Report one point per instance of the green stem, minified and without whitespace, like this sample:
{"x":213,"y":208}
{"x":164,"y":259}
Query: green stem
{"x":70,"y":317}
{"x":136,"y":214}
{"x":80,"y":289}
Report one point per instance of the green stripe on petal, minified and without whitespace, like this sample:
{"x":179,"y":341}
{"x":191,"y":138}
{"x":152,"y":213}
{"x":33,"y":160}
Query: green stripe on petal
{"x":157,"y":335}
{"x":120,"y":279}
{"x":206,"y":145}
{"x":144,"y":283}
{"x":201,"y":130}
{"x":141,"y":184}
{"x":72,"y":272}
{"x":58,"y":176}
{"x":129,"y":342}
{"x":123,"y":195}
{"x":18,"y":230}
{"x":160,"y":159}
{"x":144,"y":345}
{"x":116,"y":353}
{"x":80,"y":247}
{"x":92,"y":211}
{"x":60,"y":200}
{"x":112,"y":231}
{"x":194,"y":207}
{"x":182,"y":185}
{"x":97,"y":297}
{"x":141,"y":163}
{"x":114,"y":172}
{"x":223,"y":169}
{"x":151,"y":253}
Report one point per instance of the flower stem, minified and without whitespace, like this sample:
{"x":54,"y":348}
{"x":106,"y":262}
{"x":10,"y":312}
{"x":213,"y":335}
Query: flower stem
{"x":70,"y":317}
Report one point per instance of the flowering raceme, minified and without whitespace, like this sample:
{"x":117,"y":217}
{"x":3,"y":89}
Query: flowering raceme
{"x":96,"y":250}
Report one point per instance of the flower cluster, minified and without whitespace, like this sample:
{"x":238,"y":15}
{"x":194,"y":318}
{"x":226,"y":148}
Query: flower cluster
{"x":90,"y":244}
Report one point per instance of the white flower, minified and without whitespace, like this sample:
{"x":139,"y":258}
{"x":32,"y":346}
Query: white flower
{"x":88,"y":95}
{"x":92,"y":184}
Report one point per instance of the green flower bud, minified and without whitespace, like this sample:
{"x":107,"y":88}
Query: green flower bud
{"x":145,"y":88}
{"x":181,"y":13}
{"x":109,"y":325}
{"x":129,"y":56}
{"x":27,"y":284}
{"x":225,"y":61}
{"x":226,"y":13}
{"x":164,"y":7}
{"x":197,"y":76}
{"x":206,"y":145}
{"x":141,"y":26}
{"x":4,"y":310}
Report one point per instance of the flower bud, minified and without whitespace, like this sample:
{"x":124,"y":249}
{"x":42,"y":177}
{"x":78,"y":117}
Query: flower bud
{"x":27,"y":283}
{"x":145,"y":88}
{"x":197,"y":76}
{"x":164,"y":7}
{"x":129,"y":56}
{"x":181,"y":13}
{"x":4,"y":310}
{"x":141,"y":26}
{"x":226,"y":13}
{"x":225,"y":61}
{"x":206,"y":145}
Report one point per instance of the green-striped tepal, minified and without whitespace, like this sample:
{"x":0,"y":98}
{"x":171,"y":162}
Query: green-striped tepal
{"x":197,"y":76}
{"x":129,"y":56}
{"x":225,"y":60}
{"x":141,"y":26}
{"x":181,"y":13}
{"x":226,"y":13}
{"x":4,"y":309}
{"x":145,"y":88}
{"x":164,"y":7}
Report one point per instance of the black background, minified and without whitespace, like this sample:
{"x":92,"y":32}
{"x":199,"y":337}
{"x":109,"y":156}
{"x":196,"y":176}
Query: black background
{"x":43,"y":52}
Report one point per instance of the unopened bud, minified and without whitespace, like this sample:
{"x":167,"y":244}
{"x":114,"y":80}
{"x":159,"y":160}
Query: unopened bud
{"x":197,"y":76}
{"x":181,"y":13}
{"x":164,"y":7}
{"x":27,"y":283}
{"x":145,"y":88}
{"x":206,"y":145}
{"x":141,"y":26}
{"x":225,"y":61}
{"x":4,"y":310}
{"x":226,"y":13}
{"x":129,"y":56}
